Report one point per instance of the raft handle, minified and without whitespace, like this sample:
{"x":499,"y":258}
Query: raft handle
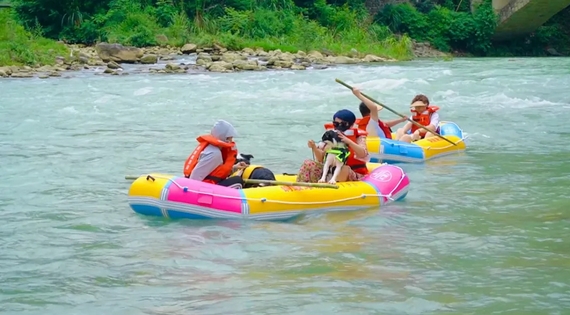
{"x":149,"y":177}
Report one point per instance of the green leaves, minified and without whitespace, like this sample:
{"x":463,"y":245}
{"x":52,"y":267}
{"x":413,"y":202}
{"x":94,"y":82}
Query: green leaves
{"x":446,"y":29}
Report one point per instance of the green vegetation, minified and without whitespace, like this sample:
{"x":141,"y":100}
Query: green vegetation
{"x":235,"y":24}
{"x":21,"y":47}
{"x":29,"y":30}
{"x":442,"y":26}
{"x":449,"y":25}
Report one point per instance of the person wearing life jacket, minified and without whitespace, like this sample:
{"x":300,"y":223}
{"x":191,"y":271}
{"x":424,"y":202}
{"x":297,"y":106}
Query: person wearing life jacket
{"x":213,"y":161}
{"x":370,"y":120}
{"x":423,"y":114}
{"x":355,"y":167}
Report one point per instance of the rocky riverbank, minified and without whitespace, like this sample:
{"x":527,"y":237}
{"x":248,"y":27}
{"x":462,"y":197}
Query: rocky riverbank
{"x":115,"y":59}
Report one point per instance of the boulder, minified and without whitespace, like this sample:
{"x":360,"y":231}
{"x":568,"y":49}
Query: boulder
{"x":188,"y":49}
{"x":5,"y":71}
{"x":314,"y":55}
{"x":281,"y":61}
{"x":22,"y":75}
{"x":373,"y":58}
{"x":246,"y":64}
{"x":221,"y":66}
{"x":231,"y":57}
{"x":248,"y":51}
{"x":149,"y":59}
{"x":342,"y":60}
{"x":172,"y":67}
{"x":118,"y":53}
{"x":203,"y":59}
{"x":113,"y":65}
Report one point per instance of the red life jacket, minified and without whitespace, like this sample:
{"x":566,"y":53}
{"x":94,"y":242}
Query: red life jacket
{"x":423,"y":119}
{"x":356,"y":165}
{"x":363,"y":123}
{"x":229,"y":155}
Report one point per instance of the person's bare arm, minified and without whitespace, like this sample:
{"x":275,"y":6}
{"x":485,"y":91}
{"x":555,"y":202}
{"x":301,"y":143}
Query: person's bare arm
{"x":371,"y":105}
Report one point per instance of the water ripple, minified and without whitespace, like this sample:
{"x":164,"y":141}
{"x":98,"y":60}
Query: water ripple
{"x":481,"y":232}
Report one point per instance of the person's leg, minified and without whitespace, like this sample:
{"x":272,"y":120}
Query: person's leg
{"x":233,"y":182}
{"x":343,"y":175}
{"x":310,"y":172}
{"x":405,"y":138}
{"x":353,"y":176}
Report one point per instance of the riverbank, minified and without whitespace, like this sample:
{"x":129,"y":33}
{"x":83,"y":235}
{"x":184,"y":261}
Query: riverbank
{"x":116,"y":59}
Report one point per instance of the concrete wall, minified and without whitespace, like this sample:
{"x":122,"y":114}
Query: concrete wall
{"x":500,"y":4}
{"x":521,"y":17}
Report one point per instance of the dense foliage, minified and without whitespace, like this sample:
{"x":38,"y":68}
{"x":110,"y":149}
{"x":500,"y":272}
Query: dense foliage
{"x":22,"y":47}
{"x":290,"y":25}
{"x":445,"y":28}
{"x":450,"y":25}
{"x":301,"y":25}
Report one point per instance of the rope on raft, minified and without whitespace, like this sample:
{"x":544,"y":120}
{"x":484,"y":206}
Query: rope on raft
{"x":449,"y":146}
{"x":362,"y":196}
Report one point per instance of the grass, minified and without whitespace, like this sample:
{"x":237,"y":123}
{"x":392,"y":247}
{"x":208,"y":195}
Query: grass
{"x":269,"y":29}
{"x":306,"y":36}
{"x":20,"y":47}
{"x":132,"y":25}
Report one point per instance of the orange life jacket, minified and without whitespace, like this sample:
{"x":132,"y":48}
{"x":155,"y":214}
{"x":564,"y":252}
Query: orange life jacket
{"x":423,"y":119}
{"x":363,"y":123}
{"x":356,"y":165}
{"x":229,"y":155}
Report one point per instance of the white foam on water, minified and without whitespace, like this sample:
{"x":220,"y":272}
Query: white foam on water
{"x":445,"y":94}
{"x":105,"y":99}
{"x":504,"y":101}
{"x":69,"y":109}
{"x":422,"y":81}
{"x":91,"y":87}
{"x":380,"y":84}
{"x":143,"y":91}
{"x":203,"y":77}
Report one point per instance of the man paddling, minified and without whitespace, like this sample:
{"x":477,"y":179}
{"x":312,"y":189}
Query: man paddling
{"x":370,"y":120}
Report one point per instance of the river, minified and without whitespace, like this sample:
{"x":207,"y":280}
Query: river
{"x":484,"y":232}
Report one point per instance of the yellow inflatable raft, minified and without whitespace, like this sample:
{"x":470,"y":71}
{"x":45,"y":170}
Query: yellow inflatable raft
{"x":393,"y":151}
{"x":179,"y":197}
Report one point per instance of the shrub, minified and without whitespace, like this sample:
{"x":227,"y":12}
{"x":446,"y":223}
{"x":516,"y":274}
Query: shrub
{"x":444,"y":28}
{"x":21,"y":47}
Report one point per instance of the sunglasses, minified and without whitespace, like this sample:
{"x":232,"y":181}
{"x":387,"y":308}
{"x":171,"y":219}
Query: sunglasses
{"x":337,"y":124}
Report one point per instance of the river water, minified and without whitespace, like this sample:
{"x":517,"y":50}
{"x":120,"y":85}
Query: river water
{"x":484,"y":232}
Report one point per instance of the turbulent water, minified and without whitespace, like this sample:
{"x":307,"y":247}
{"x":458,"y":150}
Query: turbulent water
{"x":484,"y":232}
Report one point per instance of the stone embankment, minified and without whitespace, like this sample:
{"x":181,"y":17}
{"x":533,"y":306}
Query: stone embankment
{"x":116,"y":59}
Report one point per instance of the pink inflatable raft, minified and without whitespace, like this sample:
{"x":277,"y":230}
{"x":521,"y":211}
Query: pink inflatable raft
{"x":178,"y":197}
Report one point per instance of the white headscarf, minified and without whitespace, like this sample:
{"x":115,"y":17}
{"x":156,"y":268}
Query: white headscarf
{"x":222,"y":130}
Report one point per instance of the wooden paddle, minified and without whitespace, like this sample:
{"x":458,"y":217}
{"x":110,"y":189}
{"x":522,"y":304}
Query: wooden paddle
{"x":272,"y":182}
{"x":388,"y":108}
